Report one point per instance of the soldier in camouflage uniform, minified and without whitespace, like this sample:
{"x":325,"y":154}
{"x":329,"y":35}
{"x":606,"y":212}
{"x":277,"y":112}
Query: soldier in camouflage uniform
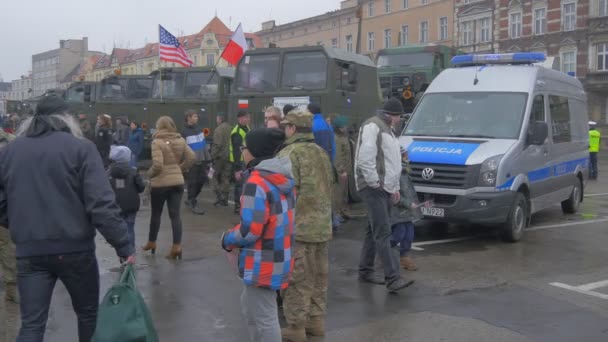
{"x":343,"y":164}
{"x":305,"y":300}
{"x":7,"y":248}
{"x":221,"y":163}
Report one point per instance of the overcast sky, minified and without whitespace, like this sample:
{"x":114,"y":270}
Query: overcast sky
{"x":33,"y":26}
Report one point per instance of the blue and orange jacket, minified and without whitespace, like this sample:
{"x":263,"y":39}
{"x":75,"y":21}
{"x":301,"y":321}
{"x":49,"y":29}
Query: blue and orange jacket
{"x":267,"y":230}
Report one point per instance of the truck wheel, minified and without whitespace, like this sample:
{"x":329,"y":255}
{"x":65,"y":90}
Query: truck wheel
{"x":570,"y":206}
{"x":513,"y":229}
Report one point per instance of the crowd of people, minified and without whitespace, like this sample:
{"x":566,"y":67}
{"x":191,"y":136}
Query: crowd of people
{"x":292,"y":183}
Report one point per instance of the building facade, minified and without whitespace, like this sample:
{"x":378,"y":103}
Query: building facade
{"x":5,"y":90}
{"x":596,"y":79}
{"x":21,"y":89}
{"x":51,"y":67}
{"x":474,"y":26}
{"x":384,"y":24}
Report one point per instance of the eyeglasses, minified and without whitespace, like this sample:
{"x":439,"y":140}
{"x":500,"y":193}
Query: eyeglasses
{"x":243,"y":148}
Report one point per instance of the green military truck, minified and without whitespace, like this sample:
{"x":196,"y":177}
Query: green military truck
{"x":341,"y":82}
{"x":405,"y":72}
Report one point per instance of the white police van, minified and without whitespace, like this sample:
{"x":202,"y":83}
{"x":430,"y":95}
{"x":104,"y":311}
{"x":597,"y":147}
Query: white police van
{"x":496,"y":139}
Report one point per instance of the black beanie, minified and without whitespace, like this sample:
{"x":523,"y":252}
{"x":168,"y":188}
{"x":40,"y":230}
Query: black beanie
{"x":264,"y":142}
{"x":393,"y":107}
{"x":51,"y":104}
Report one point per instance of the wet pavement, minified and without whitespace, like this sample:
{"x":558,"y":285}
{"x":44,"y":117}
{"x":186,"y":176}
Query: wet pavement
{"x":470,"y":285}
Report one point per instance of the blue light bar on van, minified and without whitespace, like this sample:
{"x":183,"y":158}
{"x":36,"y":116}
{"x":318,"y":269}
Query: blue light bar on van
{"x":502,"y":58}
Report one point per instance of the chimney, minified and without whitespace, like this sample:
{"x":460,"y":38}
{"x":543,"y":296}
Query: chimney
{"x":85,"y":44}
{"x":269,"y":25}
{"x":61,"y":44}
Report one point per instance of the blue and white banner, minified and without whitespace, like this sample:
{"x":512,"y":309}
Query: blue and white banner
{"x":196,"y":142}
{"x":437,"y":152}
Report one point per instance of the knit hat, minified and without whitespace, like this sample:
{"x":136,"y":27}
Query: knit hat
{"x":120,"y":154}
{"x":221,"y":115}
{"x":298,"y":118}
{"x":264,"y":142}
{"x":51,"y":104}
{"x":340,"y":121}
{"x":393,"y":107}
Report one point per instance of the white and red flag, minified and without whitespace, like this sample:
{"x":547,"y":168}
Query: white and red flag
{"x":236,"y":47}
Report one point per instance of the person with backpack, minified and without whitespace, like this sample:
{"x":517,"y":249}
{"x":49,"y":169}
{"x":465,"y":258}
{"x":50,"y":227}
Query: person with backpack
{"x":127,"y":185}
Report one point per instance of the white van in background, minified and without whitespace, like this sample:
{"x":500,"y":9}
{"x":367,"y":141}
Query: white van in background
{"x":496,"y":139}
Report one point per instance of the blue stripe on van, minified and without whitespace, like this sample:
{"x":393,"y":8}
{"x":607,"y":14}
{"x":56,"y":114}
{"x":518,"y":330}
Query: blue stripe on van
{"x":437,"y":152}
{"x":550,"y":171}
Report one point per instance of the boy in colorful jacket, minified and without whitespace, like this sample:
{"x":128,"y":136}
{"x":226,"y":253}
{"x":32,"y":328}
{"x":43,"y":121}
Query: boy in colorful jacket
{"x":265,"y":235}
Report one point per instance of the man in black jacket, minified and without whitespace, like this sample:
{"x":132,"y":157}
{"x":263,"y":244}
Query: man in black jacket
{"x":55,"y":193}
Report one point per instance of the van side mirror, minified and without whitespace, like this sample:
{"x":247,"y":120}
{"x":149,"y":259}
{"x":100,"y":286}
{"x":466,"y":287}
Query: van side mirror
{"x":537,"y":133}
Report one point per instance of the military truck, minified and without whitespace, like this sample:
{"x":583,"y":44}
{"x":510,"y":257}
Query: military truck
{"x":405,"y":72}
{"x":145,"y":98}
{"x":341,"y":82}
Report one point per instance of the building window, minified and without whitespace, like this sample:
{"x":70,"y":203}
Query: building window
{"x":443,"y":28}
{"x":334,"y":43}
{"x":406,"y":4}
{"x":569,"y":16}
{"x":370,"y":9}
{"x":349,"y":43}
{"x":211,"y":59}
{"x":540,"y":21}
{"x":387,"y":38}
{"x":602,"y":57}
{"x":515,"y":25}
{"x":424,"y":2}
{"x":424,"y":31}
{"x":371,"y":41}
{"x":403,"y":35}
{"x":387,"y":6}
{"x":603,"y":8}
{"x":485,"y":30}
{"x":568,"y":63}
{"x":466,"y":30}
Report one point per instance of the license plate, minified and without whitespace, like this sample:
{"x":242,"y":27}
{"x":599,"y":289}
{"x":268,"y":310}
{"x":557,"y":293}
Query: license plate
{"x":435,"y":212}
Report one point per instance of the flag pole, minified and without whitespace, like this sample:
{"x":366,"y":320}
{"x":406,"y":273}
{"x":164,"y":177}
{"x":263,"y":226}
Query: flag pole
{"x":160,"y":66}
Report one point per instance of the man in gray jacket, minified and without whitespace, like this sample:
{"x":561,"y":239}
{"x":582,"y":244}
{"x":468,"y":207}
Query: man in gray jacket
{"x":377,"y":173}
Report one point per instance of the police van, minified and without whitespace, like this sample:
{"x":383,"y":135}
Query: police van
{"x":496,"y":139}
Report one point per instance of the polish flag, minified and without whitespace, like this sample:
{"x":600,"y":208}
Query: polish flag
{"x":236,"y":47}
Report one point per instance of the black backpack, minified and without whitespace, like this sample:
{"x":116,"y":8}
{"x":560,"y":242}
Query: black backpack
{"x":127,"y":191}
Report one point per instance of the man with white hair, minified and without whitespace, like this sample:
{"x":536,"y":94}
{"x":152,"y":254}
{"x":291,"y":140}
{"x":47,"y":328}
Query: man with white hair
{"x":54,"y":193}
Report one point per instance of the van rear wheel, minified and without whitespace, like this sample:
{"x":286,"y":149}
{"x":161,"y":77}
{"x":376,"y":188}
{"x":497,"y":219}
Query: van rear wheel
{"x":570,"y":206}
{"x":513,"y":229}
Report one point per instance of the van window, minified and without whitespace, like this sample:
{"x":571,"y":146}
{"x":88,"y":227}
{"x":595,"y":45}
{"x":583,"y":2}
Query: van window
{"x":342,"y":78}
{"x":538,"y":109}
{"x":560,"y":119}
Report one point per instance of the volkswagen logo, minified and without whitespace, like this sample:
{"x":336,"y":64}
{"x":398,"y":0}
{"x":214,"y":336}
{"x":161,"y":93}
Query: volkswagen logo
{"x":428,"y":173}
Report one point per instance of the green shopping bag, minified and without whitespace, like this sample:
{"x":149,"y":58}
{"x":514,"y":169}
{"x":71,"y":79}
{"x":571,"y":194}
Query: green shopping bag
{"x":123,"y":314}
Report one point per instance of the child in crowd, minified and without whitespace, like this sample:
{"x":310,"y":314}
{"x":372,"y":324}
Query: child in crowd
{"x":403,"y":216}
{"x":127,"y":185}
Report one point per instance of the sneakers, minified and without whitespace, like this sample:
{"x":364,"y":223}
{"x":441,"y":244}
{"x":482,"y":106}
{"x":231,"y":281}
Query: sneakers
{"x":399,"y":285}
{"x":294,"y":334}
{"x":372,"y":279}
{"x":197,"y":210}
{"x":408,"y":264}
{"x":190,"y":203}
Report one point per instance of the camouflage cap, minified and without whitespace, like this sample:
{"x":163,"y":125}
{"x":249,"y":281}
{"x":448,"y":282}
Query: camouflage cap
{"x":302,"y":119}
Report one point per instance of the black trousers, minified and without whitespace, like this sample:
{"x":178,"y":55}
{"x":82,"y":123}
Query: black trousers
{"x":173,"y":196}
{"x":196,"y":179}
{"x":593,"y":165}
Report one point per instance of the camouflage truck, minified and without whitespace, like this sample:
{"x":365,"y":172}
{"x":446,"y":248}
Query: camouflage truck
{"x":341,"y":82}
{"x":405,"y":72}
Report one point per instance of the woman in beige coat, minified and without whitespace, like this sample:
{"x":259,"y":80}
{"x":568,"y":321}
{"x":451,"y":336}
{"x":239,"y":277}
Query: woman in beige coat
{"x":171,"y":157}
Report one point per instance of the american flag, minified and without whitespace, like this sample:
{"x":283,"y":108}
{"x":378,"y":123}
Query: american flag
{"x":171,"y":50}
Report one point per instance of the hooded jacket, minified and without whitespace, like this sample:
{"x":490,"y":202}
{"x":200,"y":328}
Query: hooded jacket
{"x":195,"y":138}
{"x":121,"y":136}
{"x":403,"y":212}
{"x":136,"y":141}
{"x":266,"y":232}
{"x":324,"y":135}
{"x":125,"y":181}
{"x":103,"y":140}
{"x":171,"y":157}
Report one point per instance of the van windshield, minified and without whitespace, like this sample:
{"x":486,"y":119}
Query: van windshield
{"x":469,"y":115}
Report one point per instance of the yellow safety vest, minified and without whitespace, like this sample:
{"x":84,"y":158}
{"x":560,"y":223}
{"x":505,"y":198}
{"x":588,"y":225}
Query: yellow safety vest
{"x":236,"y":130}
{"x":594,"y":140}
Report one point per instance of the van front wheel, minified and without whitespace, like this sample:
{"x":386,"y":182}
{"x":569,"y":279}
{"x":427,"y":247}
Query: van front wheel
{"x":513,"y":229}
{"x":570,"y":206}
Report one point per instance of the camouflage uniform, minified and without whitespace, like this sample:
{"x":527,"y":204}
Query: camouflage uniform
{"x":221,"y":164}
{"x":344,"y":164}
{"x":7,"y":248}
{"x":306,"y":296}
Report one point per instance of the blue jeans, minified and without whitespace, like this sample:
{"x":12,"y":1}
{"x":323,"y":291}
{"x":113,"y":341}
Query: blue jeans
{"x":402,"y":235}
{"x":130,"y":219}
{"x":36,"y":278}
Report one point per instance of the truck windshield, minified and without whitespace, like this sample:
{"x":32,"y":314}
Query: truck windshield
{"x":258,"y":72}
{"x":304,"y":70}
{"x":202,"y":84}
{"x":139,"y":89}
{"x":472,"y":115}
{"x":115,"y":90}
{"x":173,"y":85}
{"x":422,"y":59}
